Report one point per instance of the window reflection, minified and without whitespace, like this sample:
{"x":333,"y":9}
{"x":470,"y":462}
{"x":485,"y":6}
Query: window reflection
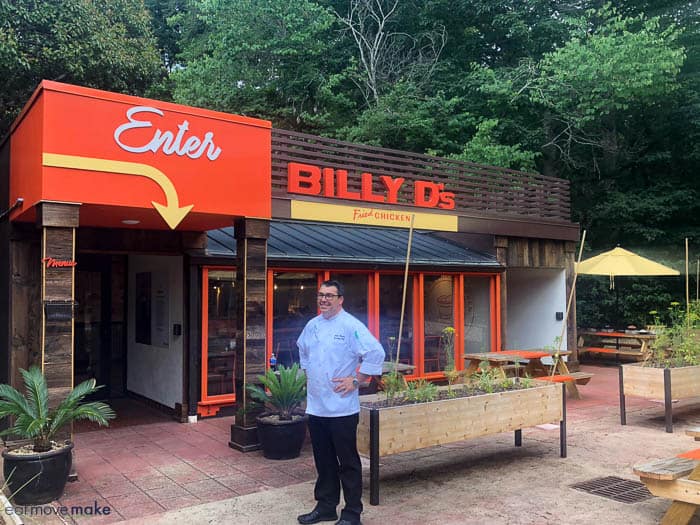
{"x":477,"y":315}
{"x":355,"y":299}
{"x":390,"y":296}
{"x":294,"y":303}
{"x":439,"y":314}
{"x":221,"y":336}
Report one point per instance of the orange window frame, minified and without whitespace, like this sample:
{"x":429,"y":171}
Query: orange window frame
{"x":209,"y":405}
{"x":418,"y":312}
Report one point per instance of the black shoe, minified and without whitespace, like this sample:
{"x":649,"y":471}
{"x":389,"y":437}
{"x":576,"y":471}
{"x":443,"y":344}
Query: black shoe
{"x":343,"y":521}
{"x":317,"y":515}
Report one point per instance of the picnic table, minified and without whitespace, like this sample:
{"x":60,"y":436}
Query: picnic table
{"x":401,"y":368}
{"x":631,"y":343}
{"x":678,"y":479}
{"x":532,"y":365}
{"x":387,"y":367}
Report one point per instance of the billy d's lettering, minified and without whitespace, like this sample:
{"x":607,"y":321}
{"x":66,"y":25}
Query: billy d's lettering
{"x":308,"y":179}
{"x":170,"y":142}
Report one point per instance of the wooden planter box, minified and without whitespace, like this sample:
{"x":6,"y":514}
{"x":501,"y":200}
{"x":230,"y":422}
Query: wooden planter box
{"x":385,"y":431}
{"x":658,"y":383}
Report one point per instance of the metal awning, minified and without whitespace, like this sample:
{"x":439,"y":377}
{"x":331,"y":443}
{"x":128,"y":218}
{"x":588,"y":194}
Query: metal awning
{"x":296,"y":241}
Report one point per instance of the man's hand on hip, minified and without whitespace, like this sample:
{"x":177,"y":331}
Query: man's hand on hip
{"x":345,"y":385}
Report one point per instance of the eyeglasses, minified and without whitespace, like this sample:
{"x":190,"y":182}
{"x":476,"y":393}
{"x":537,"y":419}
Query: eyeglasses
{"x":327,"y":295}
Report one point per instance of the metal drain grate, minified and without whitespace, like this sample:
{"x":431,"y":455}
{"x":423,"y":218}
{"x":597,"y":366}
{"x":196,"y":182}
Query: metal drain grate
{"x":615,"y":488}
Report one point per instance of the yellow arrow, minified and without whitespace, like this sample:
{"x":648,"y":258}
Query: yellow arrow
{"x":171,"y":212}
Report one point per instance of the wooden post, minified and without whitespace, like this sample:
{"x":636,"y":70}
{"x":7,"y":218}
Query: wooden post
{"x":403,"y":297}
{"x":374,"y":457}
{"x":623,"y":409}
{"x":668,"y":401}
{"x":501,"y":245}
{"x":251,"y":279}
{"x":58,"y":222}
{"x":562,"y":423}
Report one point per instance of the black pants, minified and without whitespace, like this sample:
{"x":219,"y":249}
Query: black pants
{"x":334,"y":440}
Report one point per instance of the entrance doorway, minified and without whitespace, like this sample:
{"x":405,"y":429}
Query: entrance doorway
{"x":100,"y":328}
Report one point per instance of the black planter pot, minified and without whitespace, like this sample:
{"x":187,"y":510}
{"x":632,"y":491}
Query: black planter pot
{"x":48,"y":472}
{"x":281,"y":440}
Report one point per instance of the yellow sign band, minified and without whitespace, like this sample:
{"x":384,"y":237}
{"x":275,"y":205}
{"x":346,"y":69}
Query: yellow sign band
{"x":363,"y":215}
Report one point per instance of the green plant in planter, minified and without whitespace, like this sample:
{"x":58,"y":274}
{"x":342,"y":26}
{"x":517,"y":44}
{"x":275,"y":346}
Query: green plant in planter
{"x":33,"y":418}
{"x":447,"y":343}
{"x":393,"y":383}
{"x":678,"y":344}
{"x":286,"y":391}
{"x":282,"y":428}
{"x":486,"y":378}
{"x":37,"y":473}
{"x":421,"y":391}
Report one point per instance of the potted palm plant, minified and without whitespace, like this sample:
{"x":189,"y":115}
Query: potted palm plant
{"x":37,"y":473}
{"x":282,"y":426}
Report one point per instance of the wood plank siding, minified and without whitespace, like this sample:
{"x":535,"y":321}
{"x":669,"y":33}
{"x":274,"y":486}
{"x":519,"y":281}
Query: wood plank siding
{"x":479,"y":190}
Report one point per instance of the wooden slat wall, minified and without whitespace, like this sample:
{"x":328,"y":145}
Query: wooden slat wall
{"x":536,"y":253}
{"x":488,"y":190}
{"x":25,"y":300}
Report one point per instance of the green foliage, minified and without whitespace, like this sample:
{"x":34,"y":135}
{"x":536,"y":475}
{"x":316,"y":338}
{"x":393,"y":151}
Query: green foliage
{"x":393,"y":384}
{"x":485,"y":148}
{"x":421,"y":391}
{"x":678,"y":343}
{"x":486,"y":378}
{"x":105,"y":44}
{"x":408,"y":118}
{"x":286,"y":387}
{"x":526,"y":381}
{"x":263,"y":59}
{"x":36,"y":421}
{"x":629,"y":303}
{"x":447,"y":347}
{"x":623,"y":61}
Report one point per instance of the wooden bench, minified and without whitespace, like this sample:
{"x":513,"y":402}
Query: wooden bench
{"x":677,"y":479}
{"x":580,"y":378}
{"x":616,"y":351}
{"x":571,"y":379}
{"x":694,"y":432}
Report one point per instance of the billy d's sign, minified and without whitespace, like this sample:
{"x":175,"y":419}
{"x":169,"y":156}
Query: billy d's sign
{"x":307,"y":179}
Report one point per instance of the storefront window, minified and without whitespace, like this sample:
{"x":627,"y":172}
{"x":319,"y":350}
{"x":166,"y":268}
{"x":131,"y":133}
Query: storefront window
{"x":355,"y":299}
{"x":294,"y":303}
{"x":221,"y":338}
{"x":390,"y":296}
{"x":439,"y":314}
{"x":477,"y":317}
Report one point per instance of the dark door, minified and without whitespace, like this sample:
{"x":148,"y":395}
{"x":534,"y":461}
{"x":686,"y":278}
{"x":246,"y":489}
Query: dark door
{"x":99,"y":323}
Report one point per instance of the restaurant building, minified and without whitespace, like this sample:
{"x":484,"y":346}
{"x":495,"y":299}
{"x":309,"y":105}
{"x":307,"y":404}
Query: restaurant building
{"x":169,"y":251}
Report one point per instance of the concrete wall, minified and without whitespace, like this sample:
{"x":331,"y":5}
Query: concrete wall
{"x":155,"y":370}
{"x":534,"y":297}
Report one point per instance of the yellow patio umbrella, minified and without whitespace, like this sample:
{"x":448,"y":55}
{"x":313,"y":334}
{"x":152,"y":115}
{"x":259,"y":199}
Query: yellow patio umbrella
{"x":619,"y":261}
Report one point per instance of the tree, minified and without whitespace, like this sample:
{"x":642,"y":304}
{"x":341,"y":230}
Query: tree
{"x":104,"y":44}
{"x":485,"y":148}
{"x":262,"y":59}
{"x":386,"y":52}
